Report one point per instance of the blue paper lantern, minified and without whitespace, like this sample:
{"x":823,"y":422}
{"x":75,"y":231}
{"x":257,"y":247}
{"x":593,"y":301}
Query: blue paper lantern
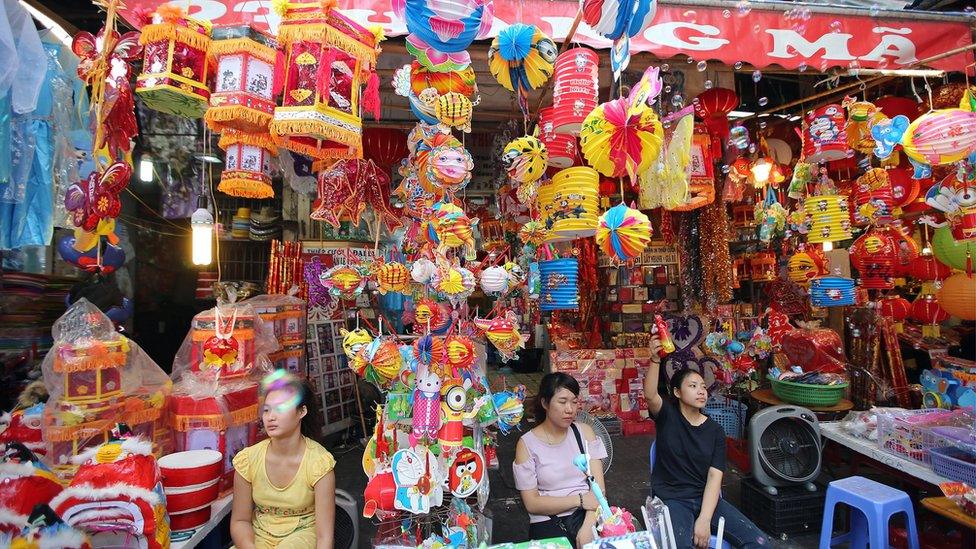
{"x":832,"y":291}
{"x":451,"y":25}
{"x":559,"y":285}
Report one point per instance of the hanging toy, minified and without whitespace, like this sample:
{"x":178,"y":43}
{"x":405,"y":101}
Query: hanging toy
{"x":353,"y":341}
{"x":525,"y":159}
{"x":521,"y":58}
{"x":613,"y":521}
{"x":623,"y":232}
{"x":344,"y":281}
{"x":392,"y":277}
{"x":426,"y":408}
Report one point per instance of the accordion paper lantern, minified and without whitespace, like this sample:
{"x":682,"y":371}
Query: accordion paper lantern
{"x":806,"y":264}
{"x":525,"y":159}
{"x":875,"y":256}
{"x":829,"y":218}
{"x":713,"y":107}
{"x":328,"y":57}
{"x":446,"y":25}
{"x":941,"y":137}
{"x":570,"y":203}
{"x":825,"y":139}
{"x":832,"y":291}
{"x":958,"y":255}
{"x":927,"y":268}
{"x":623,"y":232}
{"x":958,"y":296}
{"x":895,"y":307}
{"x":521,"y":58}
{"x":926,"y":309}
{"x":562,"y":147}
{"x":247,"y":164}
{"x":175,"y":66}
{"x":577,"y":85}
{"x":559,"y":285}
{"x":873,"y":200}
{"x":243,"y":90}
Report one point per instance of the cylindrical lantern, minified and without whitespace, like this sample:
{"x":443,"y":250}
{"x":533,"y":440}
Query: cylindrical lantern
{"x":896,"y":308}
{"x":571,"y":203}
{"x":927,"y":268}
{"x":875,"y":254}
{"x":832,"y":291}
{"x":576,"y":87}
{"x":825,"y":139}
{"x":559,"y":285}
{"x":829,"y":218}
{"x":763,"y":266}
{"x":806,"y":264}
{"x":327,"y":58}
{"x":873,"y":200}
{"x":247,"y":164}
{"x":958,"y":296}
{"x":175,"y":64}
{"x":941,"y":137}
{"x":561,"y":146}
{"x":957,"y":255}
{"x":243,"y":95}
{"x":713,"y":107}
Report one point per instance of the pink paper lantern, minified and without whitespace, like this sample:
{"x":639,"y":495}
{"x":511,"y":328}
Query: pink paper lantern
{"x":562,"y":147}
{"x":577,"y":85}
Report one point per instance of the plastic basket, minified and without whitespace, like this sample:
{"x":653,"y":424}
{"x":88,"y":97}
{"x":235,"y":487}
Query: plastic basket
{"x":730,"y":414}
{"x":807,"y":394}
{"x":954,"y":464}
{"x":908,"y":433}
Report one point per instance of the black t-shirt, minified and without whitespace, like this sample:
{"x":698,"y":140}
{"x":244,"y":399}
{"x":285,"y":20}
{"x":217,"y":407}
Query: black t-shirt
{"x":684,"y":453}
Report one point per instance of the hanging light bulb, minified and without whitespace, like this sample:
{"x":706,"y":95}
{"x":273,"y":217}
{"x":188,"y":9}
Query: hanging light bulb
{"x":202,"y":225}
{"x":146,"y":169}
{"x":761,"y":169}
{"x":828,"y":246}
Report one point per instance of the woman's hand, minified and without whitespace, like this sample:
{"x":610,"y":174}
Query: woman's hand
{"x":655,"y":346}
{"x":585,"y":534}
{"x":589,"y":501}
{"x":703,"y":532}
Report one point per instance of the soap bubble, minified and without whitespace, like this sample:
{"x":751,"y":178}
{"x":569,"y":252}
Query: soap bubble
{"x":690,"y":15}
{"x":667,"y":89}
{"x":702,"y":65}
{"x":738,"y":65}
{"x":690,"y":60}
{"x":725,"y":168}
{"x":802,"y":67}
{"x":752,"y":148}
{"x":665,"y":67}
{"x":762,"y":125}
{"x":756,"y":76}
{"x":726,"y":14}
{"x":677,"y":100}
{"x":743,"y":8}
{"x":763,"y":101}
{"x":708,"y":84}
{"x":835,"y":26}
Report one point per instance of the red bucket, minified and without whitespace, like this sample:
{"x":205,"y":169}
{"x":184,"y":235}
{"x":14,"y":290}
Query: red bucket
{"x":184,"y":499}
{"x":189,"y":520}
{"x":190,"y":468}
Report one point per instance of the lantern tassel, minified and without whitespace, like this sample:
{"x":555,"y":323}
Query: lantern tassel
{"x":324,"y":74}
{"x":371,"y":97}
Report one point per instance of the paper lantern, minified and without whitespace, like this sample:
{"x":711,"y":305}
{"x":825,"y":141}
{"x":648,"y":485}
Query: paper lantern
{"x":874,"y":255}
{"x":829,"y":218}
{"x":806,"y":264}
{"x":957,"y":255}
{"x":621,"y":137}
{"x":327,"y":59}
{"x":904,"y":188}
{"x":958,"y":296}
{"x":460,"y":81}
{"x":392,"y":277}
{"x":561,"y":148}
{"x":454,"y":111}
{"x":623,"y":232}
{"x":217,"y":354}
{"x":175,"y":64}
{"x":928,"y":268}
{"x":713,"y":107}
{"x":832,"y":291}
{"x":763,"y":267}
{"x":618,"y":21}
{"x":450,"y":226}
{"x":895,"y":307}
{"x":247,"y":164}
{"x":384,"y":146}
{"x":941,"y":137}
{"x":446,"y":25}
{"x":570,"y":203}
{"x":243,"y":94}
{"x":559,"y":285}
{"x":447,"y":168}
{"x":861,"y":115}
{"x":494,"y":280}
{"x":873,"y":199}
{"x":957,"y":200}
{"x":434,"y":60}
{"x":926,"y":309}
{"x":825,"y":139}
{"x":525,"y":159}
{"x":575,"y":90}
{"x":521,"y":58}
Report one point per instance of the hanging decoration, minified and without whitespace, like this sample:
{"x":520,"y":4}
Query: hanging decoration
{"x":574,"y":95}
{"x":176,"y":66}
{"x":247,"y":164}
{"x":525,"y":159}
{"x":807,"y":263}
{"x":956,"y":197}
{"x":713,"y":107}
{"x":454,"y":110}
{"x":521,"y":58}
{"x":447,"y":26}
{"x":244,"y":84}
{"x":958,"y":296}
{"x":829,"y":218}
{"x":873,"y":199}
{"x":832,"y":291}
{"x":619,"y":21}
{"x":569,"y":204}
{"x":666,"y":182}
{"x":623,"y":232}
{"x":825,"y":139}
{"x":874,"y":255}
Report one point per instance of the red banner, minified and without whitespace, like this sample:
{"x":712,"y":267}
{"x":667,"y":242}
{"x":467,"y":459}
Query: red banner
{"x":761,"y":36}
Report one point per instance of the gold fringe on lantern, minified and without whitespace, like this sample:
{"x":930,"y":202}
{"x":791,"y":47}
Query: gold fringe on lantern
{"x":169,"y":32}
{"x":242,"y":45}
{"x":216,"y":422}
{"x":327,"y":34}
{"x":240,"y":334}
{"x":263,"y":140}
{"x":244,"y":185}
{"x":217,"y":117}
{"x":283,"y":130}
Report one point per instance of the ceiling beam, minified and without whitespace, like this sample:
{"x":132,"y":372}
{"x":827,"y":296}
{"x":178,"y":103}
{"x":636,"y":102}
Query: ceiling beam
{"x":68,"y":27}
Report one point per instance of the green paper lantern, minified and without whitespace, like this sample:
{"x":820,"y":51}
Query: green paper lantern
{"x":950,"y":251}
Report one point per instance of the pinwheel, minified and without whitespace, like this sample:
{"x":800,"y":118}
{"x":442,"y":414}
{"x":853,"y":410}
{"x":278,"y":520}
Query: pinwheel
{"x":525,"y":159}
{"x":533,"y":233}
{"x":521,"y":58}
{"x":623,"y":232}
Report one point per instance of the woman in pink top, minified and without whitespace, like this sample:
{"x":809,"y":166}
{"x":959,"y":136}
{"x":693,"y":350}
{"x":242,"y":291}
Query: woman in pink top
{"x":554,"y":492}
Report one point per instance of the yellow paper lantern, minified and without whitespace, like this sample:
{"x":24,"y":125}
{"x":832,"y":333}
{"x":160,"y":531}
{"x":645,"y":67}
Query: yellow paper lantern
{"x":958,"y":296}
{"x":829,"y":218}
{"x":571,"y":204}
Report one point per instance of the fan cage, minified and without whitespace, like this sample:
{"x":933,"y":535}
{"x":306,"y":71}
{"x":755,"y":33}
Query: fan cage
{"x":789,"y":450}
{"x":601,"y":432}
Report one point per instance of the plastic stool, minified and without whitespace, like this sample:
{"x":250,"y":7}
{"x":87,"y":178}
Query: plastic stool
{"x":876,"y":504}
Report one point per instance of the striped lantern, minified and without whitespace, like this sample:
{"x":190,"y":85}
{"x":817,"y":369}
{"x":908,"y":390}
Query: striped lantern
{"x":958,"y":296}
{"x":562,"y":147}
{"x":570,"y":203}
{"x":559,"y":285}
{"x":896,"y":308}
{"x":763,"y":266}
{"x":829,"y":218}
{"x":875,"y":256}
{"x":927,"y":311}
{"x":243,"y":94}
{"x":832,"y":291}
{"x":873,"y":200}
{"x":576,"y":89}
{"x":927,"y":268}
{"x":247,"y":164}
{"x":825,"y":139}
{"x":941,"y":137}
{"x":175,"y":66}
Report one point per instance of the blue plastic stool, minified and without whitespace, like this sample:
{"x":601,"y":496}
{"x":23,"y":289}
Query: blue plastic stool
{"x":876,"y":503}
{"x":711,"y":541}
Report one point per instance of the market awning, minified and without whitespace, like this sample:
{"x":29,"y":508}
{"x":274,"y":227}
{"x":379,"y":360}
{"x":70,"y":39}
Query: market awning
{"x":757,"y":33}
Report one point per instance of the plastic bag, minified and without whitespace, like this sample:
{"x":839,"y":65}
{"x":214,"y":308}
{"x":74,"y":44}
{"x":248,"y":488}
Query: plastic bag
{"x":96,"y":378}
{"x":287,"y":316}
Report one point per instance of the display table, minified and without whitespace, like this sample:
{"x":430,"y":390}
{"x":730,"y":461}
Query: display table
{"x":899,"y":466}
{"x":945,"y":508}
{"x":220,"y":509}
{"x":766,"y":396}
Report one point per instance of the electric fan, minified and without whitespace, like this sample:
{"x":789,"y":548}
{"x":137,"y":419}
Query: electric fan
{"x":601,"y":432}
{"x":785,"y":447}
{"x":346,"y":521}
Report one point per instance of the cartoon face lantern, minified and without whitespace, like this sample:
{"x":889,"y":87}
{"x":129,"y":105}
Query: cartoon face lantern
{"x":825,"y":139}
{"x":466,"y":473}
{"x":354,"y":340}
{"x":449,"y":167}
{"x":806,"y":264}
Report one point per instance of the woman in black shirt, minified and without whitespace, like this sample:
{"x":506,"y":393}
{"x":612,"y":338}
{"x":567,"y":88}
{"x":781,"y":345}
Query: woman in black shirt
{"x":690,"y":461}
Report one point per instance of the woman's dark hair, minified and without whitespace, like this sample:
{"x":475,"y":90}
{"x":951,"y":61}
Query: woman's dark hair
{"x":548,"y":387}
{"x":679,"y":377}
{"x":311,"y":425}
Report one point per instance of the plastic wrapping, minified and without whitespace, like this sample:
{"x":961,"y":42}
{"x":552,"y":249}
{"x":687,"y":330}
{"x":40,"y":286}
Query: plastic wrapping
{"x":96,"y":378}
{"x":287,"y":316}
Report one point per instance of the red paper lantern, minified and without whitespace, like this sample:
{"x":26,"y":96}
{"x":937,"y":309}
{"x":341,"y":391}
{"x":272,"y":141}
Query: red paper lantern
{"x":562,"y":147}
{"x":892,"y":106}
{"x":575,"y":90}
{"x":872,"y":201}
{"x":713,"y":107}
{"x":904,"y":188}
{"x":895,"y":307}
{"x":928,"y":268}
{"x":825,"y":138}
{"x":385,"y":146}
{"x":926,"y":309}
{"x":875,"y":255}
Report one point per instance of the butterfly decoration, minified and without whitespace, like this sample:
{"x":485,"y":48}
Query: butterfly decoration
{"x":97,"y":198}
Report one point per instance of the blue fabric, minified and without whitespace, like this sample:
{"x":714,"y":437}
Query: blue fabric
{"x":739,"y":530}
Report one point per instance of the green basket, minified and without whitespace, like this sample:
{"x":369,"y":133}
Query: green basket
{"x":805,"y":394}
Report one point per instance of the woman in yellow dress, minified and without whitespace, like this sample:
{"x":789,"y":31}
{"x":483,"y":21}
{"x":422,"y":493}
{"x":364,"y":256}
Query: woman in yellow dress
{"x":284,"y":486}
